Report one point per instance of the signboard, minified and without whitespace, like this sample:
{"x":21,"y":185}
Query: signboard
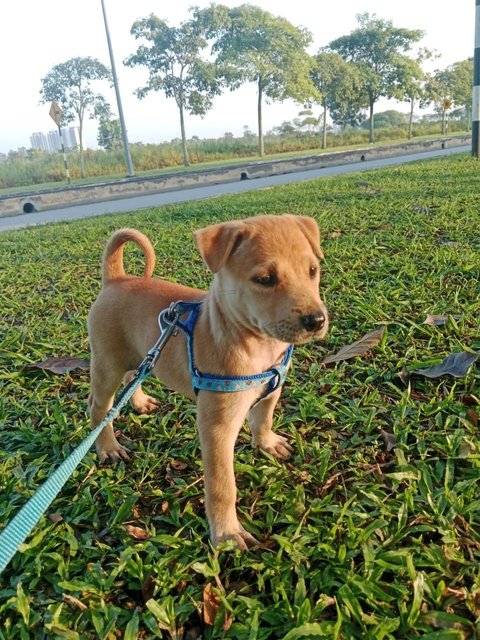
{"x":55,"y":112}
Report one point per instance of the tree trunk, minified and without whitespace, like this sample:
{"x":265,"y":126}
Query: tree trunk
{"x":186,"y":159}
{"x":372,"y":126}
{"x":410,"y":120}
{"x":324,"y":136}
{"x":261,"y":147}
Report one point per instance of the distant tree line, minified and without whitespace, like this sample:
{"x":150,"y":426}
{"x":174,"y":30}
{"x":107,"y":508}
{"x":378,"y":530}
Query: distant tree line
{"x":221,"y":48}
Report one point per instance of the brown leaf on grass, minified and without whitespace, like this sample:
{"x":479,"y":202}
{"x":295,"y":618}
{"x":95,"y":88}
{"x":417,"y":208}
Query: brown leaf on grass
{"x":61,"y":365}
{"x":211,"y":606}
{"x":357,"y":348}
{"x":148,"y":588}
{"x":389,"y":440}
{"x":136,"y":532}
{"x":331,"y":482}
{"x":435,"y":321}
{"x":438,"y":321}
{"x":165,"y":506}
{"x":454,"y":595}
{"x":472,"y":416}
{"x":178,"y":465}
{"x":74,"y":601}
{"x":456,"y":364}
{"x":55,"y":517}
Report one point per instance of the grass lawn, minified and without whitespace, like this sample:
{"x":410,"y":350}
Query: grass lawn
{"x":370,"y":531}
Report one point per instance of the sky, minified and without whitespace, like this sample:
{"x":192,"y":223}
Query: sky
{"x":35,"y":35}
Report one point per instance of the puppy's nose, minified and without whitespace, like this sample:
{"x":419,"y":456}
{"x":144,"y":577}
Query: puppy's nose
{"x":313,"y":321}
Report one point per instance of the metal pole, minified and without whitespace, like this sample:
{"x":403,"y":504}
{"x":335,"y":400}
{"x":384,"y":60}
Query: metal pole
{"x":64,"y":154}
{"x":126,"y":148}
{"x":476,"y":86}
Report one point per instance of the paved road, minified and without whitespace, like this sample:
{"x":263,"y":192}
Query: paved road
{"x":171,"y":197}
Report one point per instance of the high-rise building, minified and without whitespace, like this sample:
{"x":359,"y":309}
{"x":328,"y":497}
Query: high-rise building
{"x":50,"y":142}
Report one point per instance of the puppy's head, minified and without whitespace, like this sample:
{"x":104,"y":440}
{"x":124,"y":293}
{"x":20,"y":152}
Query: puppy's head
{"x":268,"y":274}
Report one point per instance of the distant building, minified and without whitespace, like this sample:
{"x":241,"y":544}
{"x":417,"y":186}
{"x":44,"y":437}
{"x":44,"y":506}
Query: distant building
{"x":50,"y":142}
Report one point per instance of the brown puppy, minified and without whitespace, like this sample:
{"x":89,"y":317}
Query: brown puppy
{"x":264,"y":296}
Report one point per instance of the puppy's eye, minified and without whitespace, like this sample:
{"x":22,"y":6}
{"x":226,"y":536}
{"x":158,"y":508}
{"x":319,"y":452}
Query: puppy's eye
{"x":267,"y":280}
{"x":313,"y":272}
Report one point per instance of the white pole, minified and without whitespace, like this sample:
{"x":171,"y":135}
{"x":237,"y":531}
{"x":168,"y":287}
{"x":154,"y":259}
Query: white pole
{"x":476,"y":86}
{"x":126,"y":148}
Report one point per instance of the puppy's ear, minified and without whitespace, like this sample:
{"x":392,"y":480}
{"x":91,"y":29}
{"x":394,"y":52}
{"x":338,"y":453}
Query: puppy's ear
{"x":217,"y":242}
{"x":311,"y":231}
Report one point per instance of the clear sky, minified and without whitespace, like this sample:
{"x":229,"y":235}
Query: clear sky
{"x":37,"y":34}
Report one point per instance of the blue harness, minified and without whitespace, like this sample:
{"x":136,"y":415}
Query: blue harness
{"x":271,"y":379}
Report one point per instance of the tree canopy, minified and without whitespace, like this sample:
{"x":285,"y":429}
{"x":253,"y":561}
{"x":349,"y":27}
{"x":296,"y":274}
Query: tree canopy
{"x":252,"y":45}
{"x":177,"y":63}
{"x":378,"y":49}
{"x":340,"y":90}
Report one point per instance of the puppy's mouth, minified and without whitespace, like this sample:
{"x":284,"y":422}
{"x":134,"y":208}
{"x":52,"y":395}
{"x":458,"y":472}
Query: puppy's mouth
{"x":307,"y":328}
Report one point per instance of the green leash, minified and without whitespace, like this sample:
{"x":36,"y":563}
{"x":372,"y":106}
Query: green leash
{"x":14,"y":534}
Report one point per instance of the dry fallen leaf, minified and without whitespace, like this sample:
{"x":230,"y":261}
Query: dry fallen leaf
{"x":472,"y":416}
{"x":61,"y":365}
{"x":74,"y":601}
{"x":456,"y":364}
{"x":389,"y":440}
{"x":136,"y":532}
{"x":211,"y":605}
{"x":178,"y":465}
{"x":55,"y":517}
{"x":358,"y":348}
{"x":435,"y":321}
{"x":438,"y":321}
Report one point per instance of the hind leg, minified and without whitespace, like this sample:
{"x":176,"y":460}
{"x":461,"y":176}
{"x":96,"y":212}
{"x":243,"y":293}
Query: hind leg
{"x":139,"y":400}
{"x":104,"y":383}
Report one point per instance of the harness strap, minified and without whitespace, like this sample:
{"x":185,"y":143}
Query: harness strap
{"x":271,"y":379}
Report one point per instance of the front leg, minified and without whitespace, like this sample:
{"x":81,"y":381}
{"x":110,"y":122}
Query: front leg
{"x":220,"y":418}
{"x":260,"y":420}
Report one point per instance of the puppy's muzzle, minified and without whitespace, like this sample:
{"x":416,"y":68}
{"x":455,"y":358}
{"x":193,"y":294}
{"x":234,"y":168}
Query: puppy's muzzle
{"x":313,"y":322}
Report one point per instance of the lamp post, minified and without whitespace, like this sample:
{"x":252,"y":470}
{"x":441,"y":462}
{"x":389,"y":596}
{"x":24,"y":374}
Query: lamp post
{"x":126,"y":148}
{"x":476,"y":86}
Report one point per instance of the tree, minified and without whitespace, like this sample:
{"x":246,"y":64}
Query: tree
{"x":378,"y":49}
{"x":109,"y":134}
{"x":450,"y":86}
{"x":409,"y":83}
{"x":252,"y":45}
{"x":70,"y":84}
{"x":176,"y":67}
{"x":340,"y":90}
{"x":306,"y":121}
{"x":389,"y":118}
{"x":458,"y":77}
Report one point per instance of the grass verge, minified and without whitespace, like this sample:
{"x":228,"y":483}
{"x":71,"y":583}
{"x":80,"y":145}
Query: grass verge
{"x":371,"y":530}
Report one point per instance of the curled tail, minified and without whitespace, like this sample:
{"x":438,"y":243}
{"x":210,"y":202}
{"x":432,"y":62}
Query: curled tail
{"x":112,"y":266}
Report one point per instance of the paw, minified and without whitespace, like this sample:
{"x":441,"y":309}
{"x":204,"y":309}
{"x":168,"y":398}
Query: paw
{"x":112,"y":452}
{"x":239,"y":536}
{"x":272,"y":443}
{"x":144,"y":403}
